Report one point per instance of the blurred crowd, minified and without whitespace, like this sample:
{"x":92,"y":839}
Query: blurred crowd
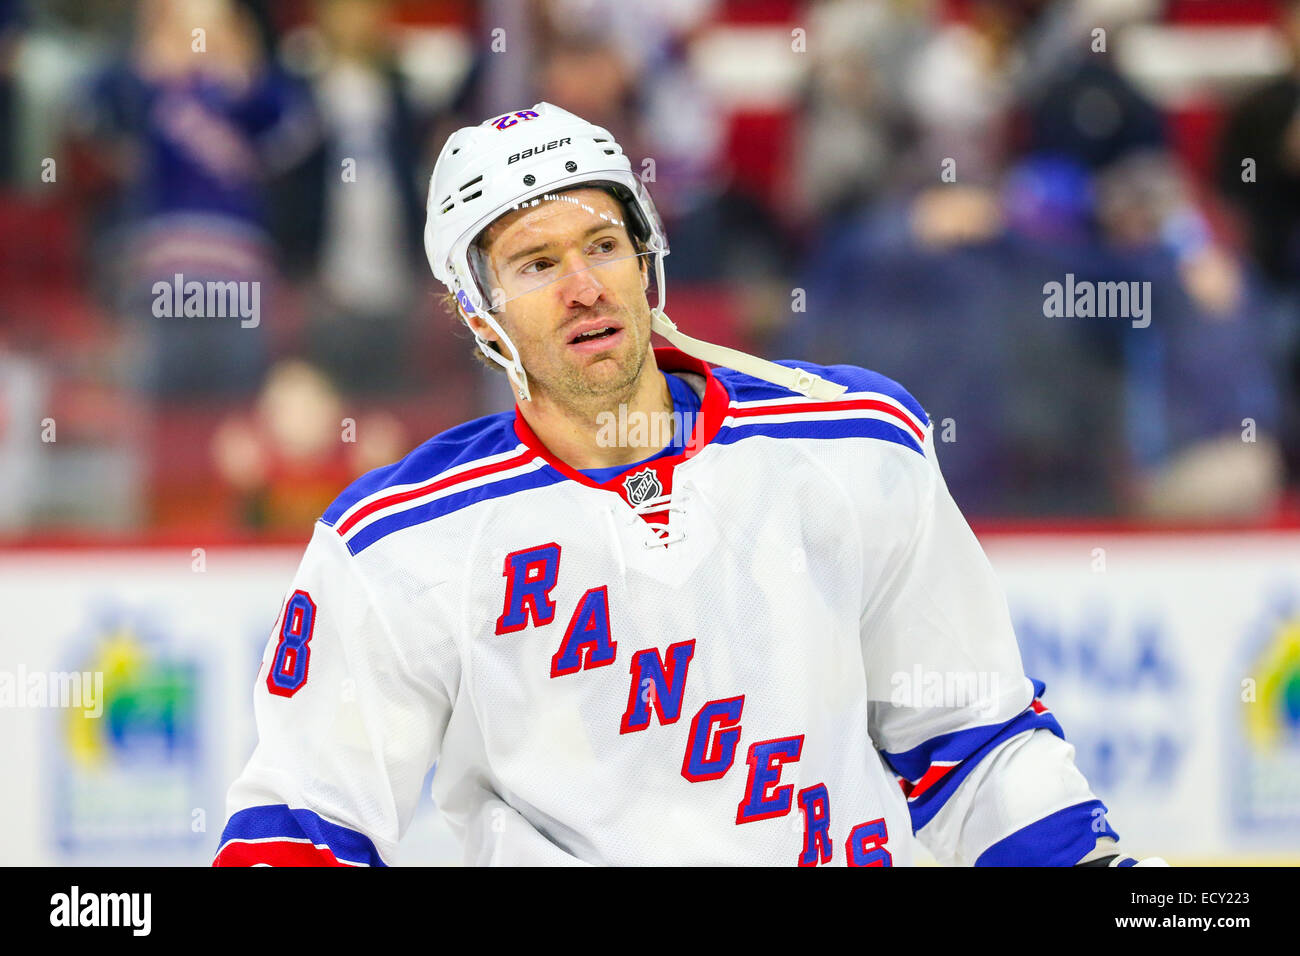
{"x":903,"y":203}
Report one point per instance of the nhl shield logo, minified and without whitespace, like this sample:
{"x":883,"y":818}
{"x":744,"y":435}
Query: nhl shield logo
{"x":642,"y":486}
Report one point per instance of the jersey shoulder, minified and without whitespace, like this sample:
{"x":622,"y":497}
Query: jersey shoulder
{"x":873,"y":406}
{"x":450,"y":463}
{"x":860,"y":383}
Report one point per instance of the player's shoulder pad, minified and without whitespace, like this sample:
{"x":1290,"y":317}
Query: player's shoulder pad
{"x":857,"y":381}
{"x":471,"y":441}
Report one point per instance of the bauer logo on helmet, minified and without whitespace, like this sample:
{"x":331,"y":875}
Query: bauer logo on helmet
{"x":534,"y":150}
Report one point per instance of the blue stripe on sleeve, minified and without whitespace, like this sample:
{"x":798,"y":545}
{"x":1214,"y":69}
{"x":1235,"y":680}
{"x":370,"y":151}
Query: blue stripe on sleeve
{"x":272,"y":821}
{"x":1059,"y":839}
{"x":967,"y":746}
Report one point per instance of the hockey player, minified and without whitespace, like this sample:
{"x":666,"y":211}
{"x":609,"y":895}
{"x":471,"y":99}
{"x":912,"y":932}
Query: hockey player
{"x":661,"y":612}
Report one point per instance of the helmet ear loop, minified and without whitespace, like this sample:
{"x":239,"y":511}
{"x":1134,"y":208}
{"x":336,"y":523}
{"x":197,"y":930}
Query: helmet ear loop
{"x":661,"y":288}
{"x":482,"y":342}
{"x":514,"y":368}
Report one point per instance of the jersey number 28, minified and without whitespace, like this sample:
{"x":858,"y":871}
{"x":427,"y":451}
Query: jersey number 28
{"x":289,"y":665}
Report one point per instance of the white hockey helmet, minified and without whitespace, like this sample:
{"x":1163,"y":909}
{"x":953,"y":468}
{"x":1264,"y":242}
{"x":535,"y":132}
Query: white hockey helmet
{"x":486,"y":171}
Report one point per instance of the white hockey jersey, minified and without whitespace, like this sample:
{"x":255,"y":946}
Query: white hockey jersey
{"x":782,"y":646}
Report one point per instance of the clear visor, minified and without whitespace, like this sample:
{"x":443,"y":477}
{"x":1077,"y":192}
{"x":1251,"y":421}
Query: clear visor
{"x":572,"y":245}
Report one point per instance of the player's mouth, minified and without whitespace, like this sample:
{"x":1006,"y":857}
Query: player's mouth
{"x":596,"y":335}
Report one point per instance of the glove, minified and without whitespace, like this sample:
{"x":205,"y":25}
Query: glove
{"x":1106,"y":853}
{"x":1119,"y":859}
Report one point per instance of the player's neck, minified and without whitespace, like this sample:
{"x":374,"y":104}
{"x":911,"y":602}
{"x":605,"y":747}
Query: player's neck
{"x":579,"y":433}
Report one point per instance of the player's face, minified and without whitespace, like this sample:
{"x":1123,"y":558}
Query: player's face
{"x":574,"y":294}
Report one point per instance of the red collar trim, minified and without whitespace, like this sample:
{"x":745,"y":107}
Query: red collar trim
{"x":713,"y":409}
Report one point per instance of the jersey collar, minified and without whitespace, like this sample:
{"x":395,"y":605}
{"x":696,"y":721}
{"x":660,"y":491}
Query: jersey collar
{"x":713,"y":410}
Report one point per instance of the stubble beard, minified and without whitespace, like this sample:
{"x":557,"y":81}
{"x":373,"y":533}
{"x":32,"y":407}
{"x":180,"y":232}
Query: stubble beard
{"x":581,"y":387}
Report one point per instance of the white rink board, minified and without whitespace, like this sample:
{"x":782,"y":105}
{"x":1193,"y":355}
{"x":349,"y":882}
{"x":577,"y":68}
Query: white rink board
{"x":1144,"y":642}
{"x":61,"y":806}
{"x":1143,"y":659}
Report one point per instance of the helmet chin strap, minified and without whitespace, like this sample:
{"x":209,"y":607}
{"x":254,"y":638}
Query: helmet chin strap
{"x":795,"y":379}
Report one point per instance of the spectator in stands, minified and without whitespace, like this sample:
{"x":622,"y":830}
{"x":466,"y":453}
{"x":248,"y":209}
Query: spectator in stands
{"x":945,"y":290}
{"x":942,"y":290}
{"x":852,"y":122}
{"x":191,"y":125}
{"x":1084,"y":108}
{"x":960,"y":89}
{"x":11,"y":24}
{"x":287,"y":460}
{"x":1264,"y":126}
{"x":1263,"y":129}
{"x":1201,"y":396}
{"x":351,"y":215}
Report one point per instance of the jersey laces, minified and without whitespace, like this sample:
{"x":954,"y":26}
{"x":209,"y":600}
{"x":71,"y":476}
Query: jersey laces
{"x":662,"y":503}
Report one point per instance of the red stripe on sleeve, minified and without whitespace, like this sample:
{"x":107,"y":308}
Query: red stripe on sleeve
{"x":278,"y":853}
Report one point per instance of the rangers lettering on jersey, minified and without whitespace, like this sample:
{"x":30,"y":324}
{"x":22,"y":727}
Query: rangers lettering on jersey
{"x":707,"y":684}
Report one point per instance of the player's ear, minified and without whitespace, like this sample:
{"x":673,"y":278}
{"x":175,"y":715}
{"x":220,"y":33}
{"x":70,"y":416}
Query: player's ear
{"x":477,"y":325}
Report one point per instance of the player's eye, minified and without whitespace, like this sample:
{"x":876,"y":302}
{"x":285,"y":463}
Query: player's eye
{"x":529,"y":270}
{"x":607,"y":246}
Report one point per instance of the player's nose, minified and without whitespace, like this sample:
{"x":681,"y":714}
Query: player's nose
{"x":582,"y":287}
